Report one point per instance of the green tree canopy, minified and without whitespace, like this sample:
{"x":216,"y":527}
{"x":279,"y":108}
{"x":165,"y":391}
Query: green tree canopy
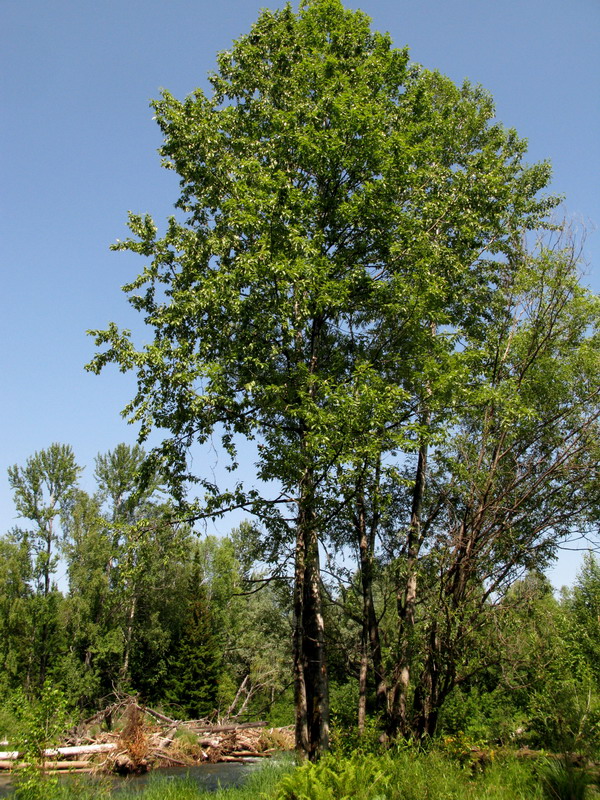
{"x":339,"y":208}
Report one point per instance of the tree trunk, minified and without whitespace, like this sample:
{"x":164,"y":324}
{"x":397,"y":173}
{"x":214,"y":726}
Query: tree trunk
{"x":311,"y":692}
{"x":432,"y":688}
{"x":398,"y":719}
{"x":366,"y":540}
{"x":362,"y":677}
{"x":128,"y":639}
{"x":314,"y":647}
{"x":300,"y":701}
{"x":85,"y":749}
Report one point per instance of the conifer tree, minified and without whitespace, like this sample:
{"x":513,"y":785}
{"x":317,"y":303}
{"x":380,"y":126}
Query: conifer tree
{"x":195,"y":664}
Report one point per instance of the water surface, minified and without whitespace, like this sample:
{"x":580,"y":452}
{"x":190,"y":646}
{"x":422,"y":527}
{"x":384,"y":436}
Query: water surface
{"x":207,"y":776}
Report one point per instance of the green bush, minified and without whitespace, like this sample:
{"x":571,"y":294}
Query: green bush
{"x":485,"y":717}
{"x":40,"y":722}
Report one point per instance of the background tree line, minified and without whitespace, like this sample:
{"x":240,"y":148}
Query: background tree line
{"x":189,"y":623}
{"x":150,"y":607}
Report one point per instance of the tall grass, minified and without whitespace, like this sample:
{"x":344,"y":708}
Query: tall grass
{"x":403,"y":775}
{"x":409,"y":776}
{"x":562,"y":781}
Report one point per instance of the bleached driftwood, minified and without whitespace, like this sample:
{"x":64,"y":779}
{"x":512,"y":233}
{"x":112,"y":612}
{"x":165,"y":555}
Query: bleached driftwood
{"x":81,"y":750}
{"x":144,"y":737}
{"x":51,"y":766}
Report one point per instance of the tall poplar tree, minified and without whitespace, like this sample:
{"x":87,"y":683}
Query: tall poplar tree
{"x":338,"y":207}
{"x":43,"y":490}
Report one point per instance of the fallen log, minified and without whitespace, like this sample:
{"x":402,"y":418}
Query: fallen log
{"x":162,"y":743}
{"x":167,"y":757}
{"x":209,"y":742}
{"x":85,"y":749}
{"x":224,"y":728}
{"x":80,"y":750}
{"x":52,"y":766}
{"x":233,"y":758}
{"x":79,"y":771}
{"x":162,"y":717}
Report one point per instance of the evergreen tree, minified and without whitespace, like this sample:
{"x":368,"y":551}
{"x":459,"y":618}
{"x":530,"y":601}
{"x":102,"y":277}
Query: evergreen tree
{"x":195,"y":665}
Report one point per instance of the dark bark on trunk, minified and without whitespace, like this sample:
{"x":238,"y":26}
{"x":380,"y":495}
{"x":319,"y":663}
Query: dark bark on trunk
{"x":300,"y":701}
{"x":314,"y":647}
{"x":311,"y":692}
{"x":47,"y":564}
{"x":399,"y":716}
{"x":362,"y":678}
{"x":366,"y":539}
{"x":425,"y":702}
{"x":436,"y":681}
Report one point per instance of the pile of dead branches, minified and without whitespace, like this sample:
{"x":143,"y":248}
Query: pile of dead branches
{"x":127,"y":737}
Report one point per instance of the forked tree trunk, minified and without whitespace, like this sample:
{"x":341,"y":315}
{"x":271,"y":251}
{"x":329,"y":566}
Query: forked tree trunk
{"x":433,"y":686}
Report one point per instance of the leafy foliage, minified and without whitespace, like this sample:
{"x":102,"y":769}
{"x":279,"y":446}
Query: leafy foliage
{"x":347,"y":283}
{"x":40,"y":724}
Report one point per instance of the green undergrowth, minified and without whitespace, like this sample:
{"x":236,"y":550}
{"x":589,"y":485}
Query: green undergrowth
{"x":409,"y":776}
{"x":402,"y":775}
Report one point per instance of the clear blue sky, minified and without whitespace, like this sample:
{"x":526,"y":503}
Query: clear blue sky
{"x":78,"y":149}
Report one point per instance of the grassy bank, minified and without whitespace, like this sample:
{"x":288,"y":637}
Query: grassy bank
{"x":404,"y":775}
